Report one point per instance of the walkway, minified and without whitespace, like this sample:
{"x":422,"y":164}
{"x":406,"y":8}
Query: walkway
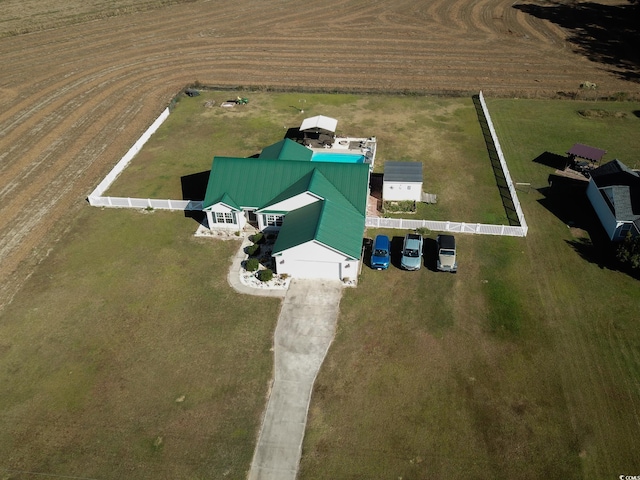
{"x":304,"y":332}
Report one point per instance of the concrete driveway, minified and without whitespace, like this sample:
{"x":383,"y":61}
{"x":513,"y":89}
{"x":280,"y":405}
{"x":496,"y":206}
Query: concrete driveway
{"x":304,"y":332}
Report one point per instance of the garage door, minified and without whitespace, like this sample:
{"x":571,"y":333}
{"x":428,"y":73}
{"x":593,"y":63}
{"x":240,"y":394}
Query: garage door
{"x":310,"y":269}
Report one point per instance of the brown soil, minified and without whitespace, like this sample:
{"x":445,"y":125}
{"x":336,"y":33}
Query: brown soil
{"x":73,"y":99}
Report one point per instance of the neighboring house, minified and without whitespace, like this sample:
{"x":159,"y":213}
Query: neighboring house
{"x":614,"y":192}
{"x":402,"y":181}
{"x":317,"y":208}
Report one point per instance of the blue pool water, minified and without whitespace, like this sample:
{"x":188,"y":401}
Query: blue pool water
{"x":337,"y":157}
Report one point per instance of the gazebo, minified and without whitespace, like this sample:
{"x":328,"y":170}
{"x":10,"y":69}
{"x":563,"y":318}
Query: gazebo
{"x":592,"y":154}
{"x":318,"y":131}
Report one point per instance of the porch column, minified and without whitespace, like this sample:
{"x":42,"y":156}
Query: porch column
{"x":210,"y":219}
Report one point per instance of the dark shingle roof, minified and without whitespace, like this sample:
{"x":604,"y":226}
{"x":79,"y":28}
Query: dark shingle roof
{"x":403,"y":172}
{"x":615,"y":173}
{"x":585,"y":151}
{"x":620,"y":186}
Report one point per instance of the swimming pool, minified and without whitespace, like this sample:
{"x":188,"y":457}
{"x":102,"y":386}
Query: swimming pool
{"x":337,"y":157}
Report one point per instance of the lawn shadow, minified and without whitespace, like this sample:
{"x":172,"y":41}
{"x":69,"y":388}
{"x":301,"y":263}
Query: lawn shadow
{"x":636,"y":113}
{"x":367,"y":245}
{"x":294,"y":134}
{"x":396,"y":251}
{"x":566,"y":198}
{"x":430,"y":252}
{"x":498,"y":173}
{"x":606,"y":34}
{"x":194,"y":186}
{"x":553,"y":160}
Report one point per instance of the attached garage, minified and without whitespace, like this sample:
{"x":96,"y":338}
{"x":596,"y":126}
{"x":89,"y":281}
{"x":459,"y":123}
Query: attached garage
{"x":315,"y":260}
{"x":316,"y":242}
{"x":313,"y":269}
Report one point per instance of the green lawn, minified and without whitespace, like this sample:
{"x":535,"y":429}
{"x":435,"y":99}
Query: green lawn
{"x":442,"y":133}
{"x":130,"y":315}
{"x":127,"y":355}
{"x":523,"y":365}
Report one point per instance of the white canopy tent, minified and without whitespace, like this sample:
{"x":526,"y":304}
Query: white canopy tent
{"x":319,"y":122}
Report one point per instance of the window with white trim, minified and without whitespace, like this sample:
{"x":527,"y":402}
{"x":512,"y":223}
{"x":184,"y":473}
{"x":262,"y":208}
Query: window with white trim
{"x":224,"y":217}
{"x":273,"y":220}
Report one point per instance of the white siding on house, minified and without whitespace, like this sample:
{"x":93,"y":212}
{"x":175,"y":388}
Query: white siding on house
{"x":293,"y":203}
{"x":313,"y":260}
{"x":399,"y":191}
{"x":218,"y":215}
{"x":603,"y":211}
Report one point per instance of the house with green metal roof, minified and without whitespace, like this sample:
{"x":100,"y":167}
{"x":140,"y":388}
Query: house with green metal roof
{"x":318,"y":209}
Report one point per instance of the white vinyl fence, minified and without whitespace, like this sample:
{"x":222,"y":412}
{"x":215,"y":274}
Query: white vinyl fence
{"x":505,"y":169}
{"x":462,"y":227}
{"x":438,"y":226}
{"x":97,"y":200}
{"x":126,"y":202}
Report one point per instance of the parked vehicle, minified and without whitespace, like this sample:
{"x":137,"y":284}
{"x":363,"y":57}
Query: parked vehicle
{"x":380,"y":254}
{"x":447,"y":261}
{"x":411,"y":252}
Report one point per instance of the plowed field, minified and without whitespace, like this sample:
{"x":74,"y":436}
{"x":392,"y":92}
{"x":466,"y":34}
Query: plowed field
{"x":74,"y":98}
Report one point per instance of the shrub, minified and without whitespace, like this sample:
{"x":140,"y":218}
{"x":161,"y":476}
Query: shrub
{"x":252,"y":265}
{"x":629,"y":251}
{"x":257,"y":238}
{"x":401,"y":206}
{"x":253,"y":249}
{"x":265,"y":275}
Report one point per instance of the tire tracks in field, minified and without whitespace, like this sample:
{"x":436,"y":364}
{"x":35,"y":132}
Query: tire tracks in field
{"x":79,"y":96}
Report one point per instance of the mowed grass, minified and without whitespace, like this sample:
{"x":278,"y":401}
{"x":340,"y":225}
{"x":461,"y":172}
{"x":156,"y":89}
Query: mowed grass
{"x":442,"y":133}
{"x":127,"y":355}
{"x":525,"y":364}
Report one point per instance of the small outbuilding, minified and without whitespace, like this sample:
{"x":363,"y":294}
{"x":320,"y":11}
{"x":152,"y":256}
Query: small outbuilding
{"x":592,"y":154}
{"x":319,"y":124}
{"x":402,"y":181}
{"x":318,"y":131}
{"x":614,"y":193}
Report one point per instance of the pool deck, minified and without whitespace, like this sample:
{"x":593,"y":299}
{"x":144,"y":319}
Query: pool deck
{"x":348,"y":145}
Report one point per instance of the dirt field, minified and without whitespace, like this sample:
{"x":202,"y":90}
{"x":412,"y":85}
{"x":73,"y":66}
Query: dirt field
{"x":73,"y":99}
